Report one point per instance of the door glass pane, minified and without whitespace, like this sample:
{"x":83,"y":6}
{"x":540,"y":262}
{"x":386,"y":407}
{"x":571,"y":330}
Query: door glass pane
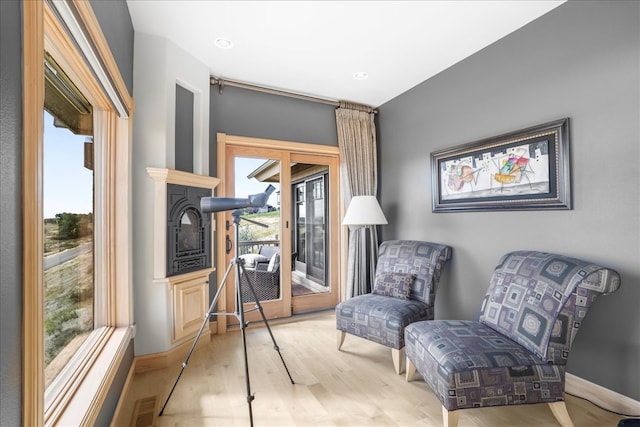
{"x":68,"y":196}
{"x":311,"y":252}
{"x":316,"y":224}
{"x":259,"y":244}
{"x":301,"y":223}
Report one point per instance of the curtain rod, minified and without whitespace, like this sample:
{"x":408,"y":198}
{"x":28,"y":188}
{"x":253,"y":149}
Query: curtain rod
{"x":224,"y":82}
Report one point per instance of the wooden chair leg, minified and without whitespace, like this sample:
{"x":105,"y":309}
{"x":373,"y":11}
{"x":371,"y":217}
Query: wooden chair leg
{"x":449,"y":418}
{"x":341,"y":336}
{"x":398,"y":357}
{"x":411,"y":369}
{"x":559,"y":410}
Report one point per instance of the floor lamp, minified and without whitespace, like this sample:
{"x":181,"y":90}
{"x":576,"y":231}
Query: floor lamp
{"x":365,"y":211}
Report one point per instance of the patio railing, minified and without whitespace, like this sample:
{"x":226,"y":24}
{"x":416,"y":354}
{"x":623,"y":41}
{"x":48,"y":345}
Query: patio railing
{"x":252,"y":246}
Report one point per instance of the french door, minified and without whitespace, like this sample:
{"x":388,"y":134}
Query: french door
{"x":290,"y":246}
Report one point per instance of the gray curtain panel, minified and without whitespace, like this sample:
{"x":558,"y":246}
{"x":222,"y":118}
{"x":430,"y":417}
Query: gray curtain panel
{"x":359,"y":164}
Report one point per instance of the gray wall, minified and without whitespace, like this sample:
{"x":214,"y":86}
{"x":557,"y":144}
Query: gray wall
{"x":245,"y":112}
{"x":115,"y":21}
{"x":184,"y":130}
{"x":579,"y":61}
{"x":10,"y":213}
{"x":111,"y":401}
{"x":11,"y":196}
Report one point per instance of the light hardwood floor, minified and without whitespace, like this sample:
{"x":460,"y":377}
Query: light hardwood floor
{"x":353,"y":387}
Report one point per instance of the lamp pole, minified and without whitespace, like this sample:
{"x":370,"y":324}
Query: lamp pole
{"x":365,"y":211}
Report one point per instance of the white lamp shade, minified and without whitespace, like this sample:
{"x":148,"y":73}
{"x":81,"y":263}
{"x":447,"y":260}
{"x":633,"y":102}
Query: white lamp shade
{"x":364,"y":210}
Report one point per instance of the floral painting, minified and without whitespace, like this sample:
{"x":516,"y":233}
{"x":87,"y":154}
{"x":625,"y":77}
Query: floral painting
{"x":521,"y":170}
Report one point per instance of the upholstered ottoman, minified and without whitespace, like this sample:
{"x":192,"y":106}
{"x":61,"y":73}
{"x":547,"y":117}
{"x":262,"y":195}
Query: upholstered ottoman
{"x":468,"y":364}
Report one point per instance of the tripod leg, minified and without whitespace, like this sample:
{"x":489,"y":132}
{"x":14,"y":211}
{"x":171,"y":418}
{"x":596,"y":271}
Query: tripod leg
{"x":195,"y":342}
{"x":243,"y":326}
{"x":264,"y":319}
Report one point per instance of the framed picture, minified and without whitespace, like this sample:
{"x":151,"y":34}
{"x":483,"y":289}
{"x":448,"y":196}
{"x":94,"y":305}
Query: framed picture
{"x":526,"y":169}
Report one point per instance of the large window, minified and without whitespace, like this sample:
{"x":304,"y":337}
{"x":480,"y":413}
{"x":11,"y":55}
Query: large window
{"x":68,"y":219}
{"x":77,"y":311}
{"x":68,"y":245}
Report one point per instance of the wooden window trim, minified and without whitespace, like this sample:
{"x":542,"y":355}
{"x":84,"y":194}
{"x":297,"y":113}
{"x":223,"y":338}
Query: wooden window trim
{"x":33,"y":227}
{"x":78,"y":401}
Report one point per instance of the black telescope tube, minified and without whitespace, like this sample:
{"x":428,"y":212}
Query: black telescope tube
{"x":218,"y":204}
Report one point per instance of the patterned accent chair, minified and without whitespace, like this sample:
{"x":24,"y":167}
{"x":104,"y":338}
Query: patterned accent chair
{"x":382,"y":319}
{"x":516,"y":353}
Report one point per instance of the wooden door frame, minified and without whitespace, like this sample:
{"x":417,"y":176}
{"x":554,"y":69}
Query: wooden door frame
{"x":297,"y":150}
{"x":272,"y":308}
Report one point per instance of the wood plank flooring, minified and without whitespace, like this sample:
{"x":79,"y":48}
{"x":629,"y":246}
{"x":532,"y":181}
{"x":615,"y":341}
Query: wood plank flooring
{"x":353,"y":387}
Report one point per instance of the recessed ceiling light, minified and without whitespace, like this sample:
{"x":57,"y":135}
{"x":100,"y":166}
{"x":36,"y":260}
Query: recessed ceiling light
{"x":223,"y":43}
{"x":360,"y":75}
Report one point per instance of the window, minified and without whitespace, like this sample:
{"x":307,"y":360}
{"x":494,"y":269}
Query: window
{"x":77,"y":313}
{"x":68,"y":246}
{"x":68,"y":219}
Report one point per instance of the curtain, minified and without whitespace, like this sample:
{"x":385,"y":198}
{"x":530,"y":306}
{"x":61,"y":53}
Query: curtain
{"x":359,"y":163}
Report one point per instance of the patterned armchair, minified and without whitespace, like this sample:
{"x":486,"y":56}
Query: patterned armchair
{"x":517,"y":351}
{"x":380,"y":318}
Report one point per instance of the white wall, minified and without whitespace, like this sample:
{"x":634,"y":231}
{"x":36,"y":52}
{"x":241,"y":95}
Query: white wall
{"x":158,"y":66}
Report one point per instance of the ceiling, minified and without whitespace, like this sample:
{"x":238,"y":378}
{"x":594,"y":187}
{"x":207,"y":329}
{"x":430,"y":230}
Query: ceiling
{"x":315,"y":47}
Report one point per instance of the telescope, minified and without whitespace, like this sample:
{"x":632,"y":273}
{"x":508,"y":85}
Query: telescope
{"x":218,"y":204}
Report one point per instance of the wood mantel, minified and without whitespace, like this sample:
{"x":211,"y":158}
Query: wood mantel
{"x":172,"y":176}
{"x":189,"y":291}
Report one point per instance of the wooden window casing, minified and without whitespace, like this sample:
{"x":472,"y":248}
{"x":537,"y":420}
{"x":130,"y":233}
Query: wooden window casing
{"x":76,"y":396}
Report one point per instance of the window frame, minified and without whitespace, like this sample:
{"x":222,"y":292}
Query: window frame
{"x":77,"y":396}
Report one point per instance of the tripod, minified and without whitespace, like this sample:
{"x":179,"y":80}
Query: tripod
{"x":238,"y":313}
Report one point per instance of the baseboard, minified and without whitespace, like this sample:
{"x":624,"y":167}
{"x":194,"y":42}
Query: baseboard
{"x":601,"y":396}
{"x":174,"y":356}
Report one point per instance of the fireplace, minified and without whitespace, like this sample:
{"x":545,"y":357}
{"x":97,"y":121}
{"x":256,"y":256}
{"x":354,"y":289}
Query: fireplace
{"x":182,"y":251}
{"x":188,"y":230}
